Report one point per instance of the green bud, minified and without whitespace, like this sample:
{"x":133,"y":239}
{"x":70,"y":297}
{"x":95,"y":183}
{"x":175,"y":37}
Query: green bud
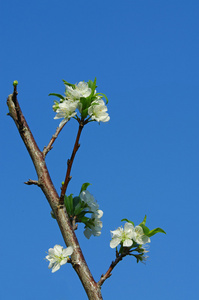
{"x":15,"y":83}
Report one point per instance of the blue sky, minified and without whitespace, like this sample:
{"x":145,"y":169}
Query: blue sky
{"x":144,"y":161}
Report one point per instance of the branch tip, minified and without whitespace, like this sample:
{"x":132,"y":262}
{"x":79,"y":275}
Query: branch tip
{"x":30,"y":182}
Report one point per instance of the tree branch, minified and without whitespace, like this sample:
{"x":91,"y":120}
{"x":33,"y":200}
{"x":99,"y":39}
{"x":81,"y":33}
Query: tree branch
{"x":91,"y":287}
{"x":112,"y":266}
{"x":30,"y":182}
{"x":70,"y":163}
{"x":49,"y":147}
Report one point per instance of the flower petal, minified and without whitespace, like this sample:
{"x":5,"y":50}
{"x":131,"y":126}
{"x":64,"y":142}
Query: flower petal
{"x":128,"y":243}
{"x":115,"y":242}
{"x":68,"y":251}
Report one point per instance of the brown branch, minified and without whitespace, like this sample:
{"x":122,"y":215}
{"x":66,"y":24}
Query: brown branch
{"x":112,"y":266}
{"x":30,"y":182}
{"x":91,"y":287}
{"x":49,"y":147}
{"x":70,"y":163}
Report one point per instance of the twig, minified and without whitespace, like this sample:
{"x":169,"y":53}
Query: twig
{"x":70,"y":163}
{"x":49,"y":147}
{"x":30,"y":182}
{"x":112,"y":266}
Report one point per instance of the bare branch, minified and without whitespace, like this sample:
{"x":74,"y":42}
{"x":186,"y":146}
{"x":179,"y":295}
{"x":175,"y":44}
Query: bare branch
{"x":70,"y":163}
{"x":49,"y":147}
{"x":119,"y":257}
{"x":30,"y":182}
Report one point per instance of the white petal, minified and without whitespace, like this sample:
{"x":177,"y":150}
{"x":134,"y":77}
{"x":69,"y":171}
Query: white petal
{"x":63,"y":261}
{"x":56,"y":267}
{"x":128,"y":243}
{"x":58,"y":250}
{"x":68,"y":251}
{"x":50,"y":265}
{"x":98,"y":214}
{"x":115,"y":242}
{"x":139,"y":230}
{"x":145,"y":239}
{"x":117,"y":233}
{"x":128,"y":226}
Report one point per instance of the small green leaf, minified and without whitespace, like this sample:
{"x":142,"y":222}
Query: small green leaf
{"x":145,"y":229}
{"x":84,"y":186}
{"x":85,"y":220}
{"x":76,"y":201}
{"x":93,"y":87}
{"x":127,"y":221}
{"x":154,"y":231}
{"x":83,"y":213}
{"x":90,"y":84}
{"x":69,"y":84}
{"x":144,"y":221}
{"x":84,"y":113}
{"x":68,"y":201}
{"x":57,"y":95}
{"x":103,"y":96}
{"x":77,"y":211}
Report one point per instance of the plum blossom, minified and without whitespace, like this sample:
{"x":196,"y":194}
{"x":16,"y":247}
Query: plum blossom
{"x":58,"y":256}
{"x":98,"y":111}
{"x":66,"y":110}
{"x":122,"y":235}
{"x":93,"y":206}
{"x":81,"y":90}
{"x":96,"y":228}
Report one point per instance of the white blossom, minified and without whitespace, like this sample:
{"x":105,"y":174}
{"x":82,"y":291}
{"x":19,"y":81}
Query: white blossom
{"x":66,"y":110}
{"x":88,"y":198}
{"x":98,"y":111}
{"x":58,"y":256}
{"x":139,"y":237}
{"x":81,"y":90}
{"x":96,"y":228}
{"x":123,"y":236}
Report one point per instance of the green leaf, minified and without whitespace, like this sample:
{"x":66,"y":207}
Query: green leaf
{"x":90,"y":84}
{"x":76,"y":201}
{"x":57,"y":95}
{"x":83,"y":213}
{"x":143,"y":222}
{"x":69,"y":84}
{"x":68,"y":201}
{"x":84,"y":113}
{"x":103,"y":96}
{"x":145,"y":229}
{"x":93,"y":87}
{"x":85,"y":220}
{"x":154,"y":231}
{"x":84,"y":186}
{"x":127,"y":221}
{"x":78,"y":209}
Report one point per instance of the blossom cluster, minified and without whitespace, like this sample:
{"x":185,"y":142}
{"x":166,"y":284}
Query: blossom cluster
{"x":94,"y":225}
{"x":84,"y":97}
{"x":128,"y":235}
